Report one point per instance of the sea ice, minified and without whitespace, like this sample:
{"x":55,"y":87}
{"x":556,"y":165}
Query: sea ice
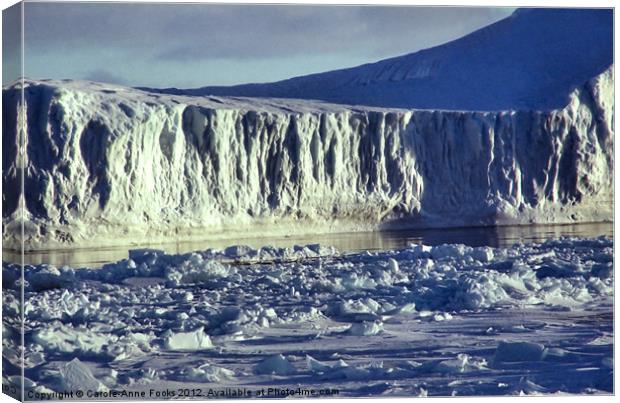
{"x":446,"y":310}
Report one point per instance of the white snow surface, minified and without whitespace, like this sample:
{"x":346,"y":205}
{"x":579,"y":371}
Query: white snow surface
{"x":444,"y":320}
{"x":110,"y":165}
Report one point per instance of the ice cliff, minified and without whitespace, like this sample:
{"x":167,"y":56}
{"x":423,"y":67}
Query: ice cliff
{"x":107,"y":164}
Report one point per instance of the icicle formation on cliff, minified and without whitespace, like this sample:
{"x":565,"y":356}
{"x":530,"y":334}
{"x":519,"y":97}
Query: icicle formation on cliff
{"x":107,"y":164}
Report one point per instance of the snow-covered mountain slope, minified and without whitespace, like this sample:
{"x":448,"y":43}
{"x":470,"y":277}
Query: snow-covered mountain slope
{"x":108,"y":164}
{"x":530,"y":60}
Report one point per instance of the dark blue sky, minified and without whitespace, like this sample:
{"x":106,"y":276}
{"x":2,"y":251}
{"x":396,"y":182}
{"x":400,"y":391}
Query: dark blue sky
{"x":191,"y":45}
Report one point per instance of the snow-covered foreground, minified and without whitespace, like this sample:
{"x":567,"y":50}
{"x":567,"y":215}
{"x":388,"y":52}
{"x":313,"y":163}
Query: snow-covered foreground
{"x":443,"y":320}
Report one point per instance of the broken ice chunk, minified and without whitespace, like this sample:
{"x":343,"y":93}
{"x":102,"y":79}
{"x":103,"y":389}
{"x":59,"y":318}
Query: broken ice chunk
{"x":148,"y":256}
{"x":274,"y":365}
{"x":196,"y":340}
{"x":75,"y":375}
{"x":365,"y":328}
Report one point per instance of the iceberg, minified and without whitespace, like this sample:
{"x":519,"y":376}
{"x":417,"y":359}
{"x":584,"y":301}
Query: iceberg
{"x":109,"y":165}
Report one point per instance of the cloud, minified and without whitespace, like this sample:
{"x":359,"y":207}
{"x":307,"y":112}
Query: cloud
{"x":155,"y":39}
{"x":104,"y":76}
{"x":202,"y":31}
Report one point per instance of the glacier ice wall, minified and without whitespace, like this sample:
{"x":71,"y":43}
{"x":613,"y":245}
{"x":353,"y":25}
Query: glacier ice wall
{"x":107,"y":164}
